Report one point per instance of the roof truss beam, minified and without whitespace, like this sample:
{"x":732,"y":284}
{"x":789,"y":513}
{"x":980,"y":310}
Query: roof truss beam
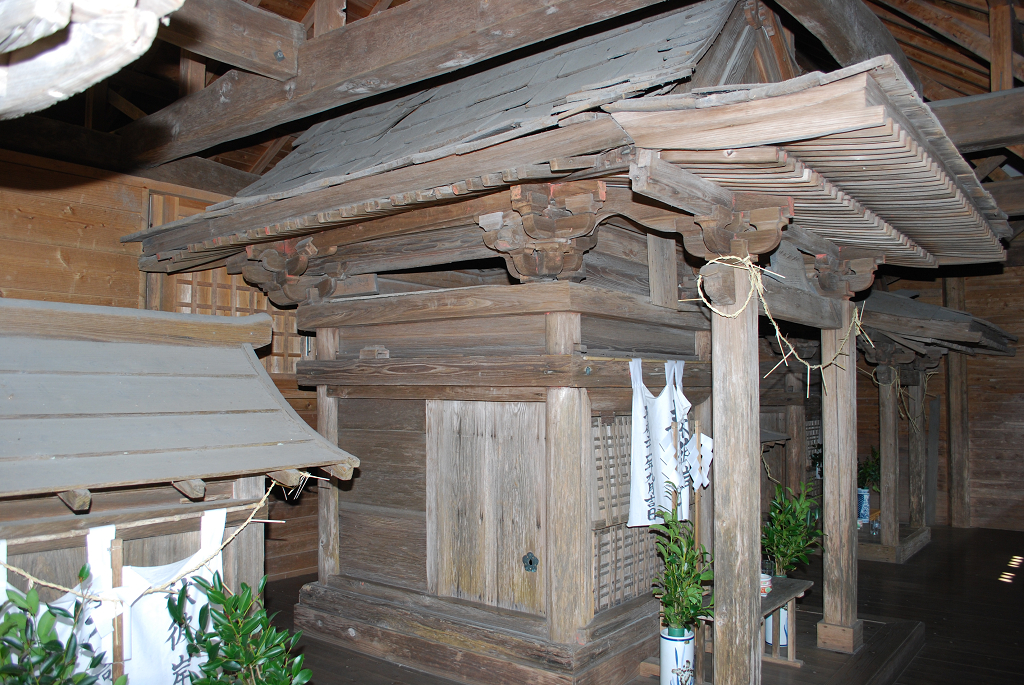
{"x":236,"y":33}
{"x":407,"y":44}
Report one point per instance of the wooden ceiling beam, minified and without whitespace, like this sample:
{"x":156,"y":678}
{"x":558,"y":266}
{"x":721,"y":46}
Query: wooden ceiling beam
{"x":239,"y":34}
{"x":849,"y":31}
{"x":1009,"y":195}
{"x":957,"y":28}
{"x":983,"y":122}
{"x":407,"y":44}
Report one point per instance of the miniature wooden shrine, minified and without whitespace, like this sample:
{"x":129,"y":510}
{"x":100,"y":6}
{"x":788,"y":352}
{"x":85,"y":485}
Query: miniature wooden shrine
{"x":481,"y":258}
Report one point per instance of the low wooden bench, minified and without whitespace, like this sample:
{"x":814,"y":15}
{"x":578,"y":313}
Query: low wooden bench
{"x":784,"y":594}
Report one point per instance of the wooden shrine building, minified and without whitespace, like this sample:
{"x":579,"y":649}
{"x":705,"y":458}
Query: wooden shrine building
{"x":483,"y":211}
{"x":143,"y":420}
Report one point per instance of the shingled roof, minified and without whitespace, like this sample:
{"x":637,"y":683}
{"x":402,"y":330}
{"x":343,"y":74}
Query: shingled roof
{"x":503,"y":102}
{"x":101,"y":397}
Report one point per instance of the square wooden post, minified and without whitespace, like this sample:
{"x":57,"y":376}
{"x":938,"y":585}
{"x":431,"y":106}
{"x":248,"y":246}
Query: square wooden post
{"x":569,"y":562}
{"x":840,"y":630}
{"x":796,"y":446}
{"x":735,"y":398}
{"x":918,"y":460}
{"x":958,"y":445}
{"x":329,"y":556}
{"x":888,"y":450}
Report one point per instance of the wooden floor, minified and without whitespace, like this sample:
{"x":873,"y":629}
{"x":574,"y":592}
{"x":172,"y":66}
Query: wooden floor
{"x":974,"y":623}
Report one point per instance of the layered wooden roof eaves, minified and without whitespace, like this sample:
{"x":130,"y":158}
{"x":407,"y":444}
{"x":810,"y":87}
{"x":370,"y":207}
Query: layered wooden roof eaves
{"x":866,"y":161}
{"x":859,"y":200}
{"x":101,"y":397}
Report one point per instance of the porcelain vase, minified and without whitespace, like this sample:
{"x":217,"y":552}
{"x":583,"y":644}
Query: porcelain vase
{"x":677,"y":657}
{"x":863,"y":505}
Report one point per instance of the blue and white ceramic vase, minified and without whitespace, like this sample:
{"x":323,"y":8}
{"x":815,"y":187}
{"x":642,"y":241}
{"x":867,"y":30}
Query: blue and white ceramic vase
{"x":863,"y":505}
{"x":677,"y":656}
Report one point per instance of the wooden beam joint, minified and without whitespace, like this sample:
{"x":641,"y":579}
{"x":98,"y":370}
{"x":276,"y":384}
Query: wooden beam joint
{"x":78,"y":500}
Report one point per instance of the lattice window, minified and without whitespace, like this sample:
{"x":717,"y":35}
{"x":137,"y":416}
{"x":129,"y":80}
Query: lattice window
{"x":222,"y":294}
{"x":219,"y":293}
{"x":625,"y":560}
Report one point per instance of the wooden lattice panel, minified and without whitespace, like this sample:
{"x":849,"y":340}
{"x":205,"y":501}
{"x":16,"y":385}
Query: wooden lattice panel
{"x":219,"y":293}
{"x":624,"y":558}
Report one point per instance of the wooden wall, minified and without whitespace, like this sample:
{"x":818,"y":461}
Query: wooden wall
{"x":995,"y":403}
{"x":60,"y":230}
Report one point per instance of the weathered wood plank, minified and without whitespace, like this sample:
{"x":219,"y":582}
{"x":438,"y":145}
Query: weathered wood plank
{"x":511,"y":371}
{"x":384,"y":544}
{"x":392,"y":467}
{"x":492,"y":300}
{"x":78,"y":322}
{"x":236,"y":33}
{"x":983,"y":122}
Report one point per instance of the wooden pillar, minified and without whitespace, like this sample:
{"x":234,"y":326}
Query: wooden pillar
{"x":191,"y":73}
{"x":247,"y":549}
{"x":570,"y":557}
{"x":704,"y":415}
{"x":796,"y":446}
{"x":839,"y":629}
{"x":327,"y":340}
{"x":328,"y":15}
{"x":662,"y":270}
{"x":958,"y":443}
{"x":735,"y":387}
{"x":917,"y":461}
{"x":888,"y":450}
{"x":1001,"y":21}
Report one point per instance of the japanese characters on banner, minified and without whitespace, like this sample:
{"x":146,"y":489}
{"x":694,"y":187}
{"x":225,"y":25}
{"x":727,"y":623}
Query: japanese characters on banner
{"x":664,"y":451}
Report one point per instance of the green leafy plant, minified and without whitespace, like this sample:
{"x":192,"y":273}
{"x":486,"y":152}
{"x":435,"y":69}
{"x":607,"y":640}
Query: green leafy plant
{"x":792,"y":529}
{"x":31,"y":653}
{"x":241,"y":647}
{"x":869,"y":471}
{"x":680,"y":587}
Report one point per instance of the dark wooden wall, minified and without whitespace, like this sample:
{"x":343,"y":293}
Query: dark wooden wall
{"x":995,"y":403}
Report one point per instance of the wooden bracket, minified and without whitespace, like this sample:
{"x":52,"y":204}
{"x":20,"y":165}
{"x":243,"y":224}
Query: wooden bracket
{"x":78,"y":500}
{"x":193,"y":488}
{"x":841,"y":279}
{"x":760,"y":229}
{"x":887,"y":355}
{"x":546,"y":232}
{"x":289,"y":478}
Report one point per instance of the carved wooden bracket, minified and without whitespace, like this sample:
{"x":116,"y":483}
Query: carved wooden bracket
{"x":887,"y":354}
{"x":546,"y":232}
{"x":760,"y":229}
{"x":841,"y":279}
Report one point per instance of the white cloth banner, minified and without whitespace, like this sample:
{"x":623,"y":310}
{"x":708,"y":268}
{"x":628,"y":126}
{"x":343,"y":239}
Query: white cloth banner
{"x":150,"y":635}
{"x":657,"y":460}
{"x":158,"y":654}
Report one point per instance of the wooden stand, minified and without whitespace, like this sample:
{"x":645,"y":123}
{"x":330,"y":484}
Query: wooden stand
{"x":785,"y":592}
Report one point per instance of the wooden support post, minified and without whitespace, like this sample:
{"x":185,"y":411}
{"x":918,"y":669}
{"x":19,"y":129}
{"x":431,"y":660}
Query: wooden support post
{"x":735,"y":382}
{"x":958,"y":444}
{"x":191,"y":73}
{"x":796,"y":446}
{"x":328,"y":15}
{"x":327,"y":340}
{"x":117,"y":573}
{"x":840,"y":630}
{"x":888,"y":449}
{"x":702,"y":414}
{"x":247,"y":549}
{"x":1000,"y":29}
{"x":569,"y":562}
{"x":663,"y":274}
{"x":705,"y":503}
{"x":917,"y":458}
